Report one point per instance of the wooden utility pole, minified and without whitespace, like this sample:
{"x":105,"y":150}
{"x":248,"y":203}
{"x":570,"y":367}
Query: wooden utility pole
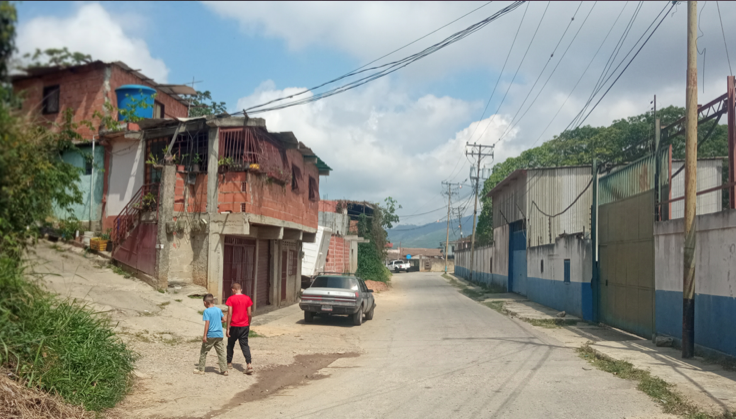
{"x":691,"y":164}
{"x":449,"y":201}
{"x":476,"y":150}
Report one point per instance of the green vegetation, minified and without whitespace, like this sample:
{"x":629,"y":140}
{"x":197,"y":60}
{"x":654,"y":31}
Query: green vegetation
{"x":496,"y":305}
{"x":58,"y":345}
{"x":371,"y":255}
{"x":625,"y":140}
{"x":200,"y":107}
{"x":118,"y":270}
{"x":551,"y":323}
{"x":659,"y":390}
{"x":49,"y":343}
{"x":252,"y":334}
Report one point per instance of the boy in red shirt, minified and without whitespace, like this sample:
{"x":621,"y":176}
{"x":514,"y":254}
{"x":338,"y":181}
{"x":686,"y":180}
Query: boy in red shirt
{"x":238,"y":325}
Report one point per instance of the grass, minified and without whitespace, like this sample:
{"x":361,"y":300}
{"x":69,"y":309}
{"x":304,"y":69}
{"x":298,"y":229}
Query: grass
{"x":473,"y":293}
{"x":162,"y":305}
{"x":496,"y":305}
{"x":551,"y":323}
{"x":659,"y":390}
{"x":178,"y":300}
{"x":59,"y":345}
{"x":201,"y":312}
{"x":252,"y":334}
{"x":57,"y":248}
{"x":118,"y":270}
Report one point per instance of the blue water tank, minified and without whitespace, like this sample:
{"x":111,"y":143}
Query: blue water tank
{"x":135,"y":93}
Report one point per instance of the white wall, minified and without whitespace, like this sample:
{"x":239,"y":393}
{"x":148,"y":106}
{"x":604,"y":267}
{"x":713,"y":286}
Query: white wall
{"x":127,"y":169}
{"x":710,"y":174}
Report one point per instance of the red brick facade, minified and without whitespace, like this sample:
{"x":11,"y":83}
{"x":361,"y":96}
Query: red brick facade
{"x":195,"y":195}
{"x":327,"y":206}
{"x":82,"y":88}
{"x":252,"y":193}
{"x":338,"y":255}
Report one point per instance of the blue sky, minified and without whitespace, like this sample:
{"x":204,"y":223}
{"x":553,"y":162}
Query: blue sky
{"x":403,"y":134}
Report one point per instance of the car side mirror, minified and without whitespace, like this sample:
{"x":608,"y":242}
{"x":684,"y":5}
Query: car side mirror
{"x":370,"y":290}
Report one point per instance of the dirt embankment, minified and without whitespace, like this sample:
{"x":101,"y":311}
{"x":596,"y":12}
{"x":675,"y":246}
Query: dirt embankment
{"x":376,"y":286}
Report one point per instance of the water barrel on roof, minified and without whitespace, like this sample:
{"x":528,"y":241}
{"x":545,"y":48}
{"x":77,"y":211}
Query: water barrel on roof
{"x":132,"y":97}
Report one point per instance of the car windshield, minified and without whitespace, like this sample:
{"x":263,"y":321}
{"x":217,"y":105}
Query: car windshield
{"x":344,"y":282}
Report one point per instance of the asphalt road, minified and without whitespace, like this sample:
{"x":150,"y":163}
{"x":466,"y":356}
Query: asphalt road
{"x":431,"y":352}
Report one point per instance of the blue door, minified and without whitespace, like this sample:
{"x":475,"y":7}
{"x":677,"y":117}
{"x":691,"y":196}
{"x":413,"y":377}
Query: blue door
{"x":517,"y":258}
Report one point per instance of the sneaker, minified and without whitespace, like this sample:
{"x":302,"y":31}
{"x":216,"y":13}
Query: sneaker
{"x":249,"y":370}
{"x":225,"y":373}
{"x":196,"y":371}
{"x":229,"y":366}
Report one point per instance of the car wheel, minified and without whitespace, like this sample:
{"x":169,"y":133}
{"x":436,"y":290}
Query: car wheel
{"x":308,"y":317}
{"x":358,"y":317}
{"x":396,"y":270}
{"x":369,"y":315}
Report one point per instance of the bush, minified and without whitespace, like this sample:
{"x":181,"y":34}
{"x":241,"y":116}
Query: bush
{"x":59,"y":345}
{"x":370,"y":264}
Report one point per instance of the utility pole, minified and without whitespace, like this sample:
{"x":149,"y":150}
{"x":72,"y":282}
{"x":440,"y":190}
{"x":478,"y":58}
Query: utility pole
{"x":449,"y":201}
{"x":691,"y":164}
{"x":476,"y":150}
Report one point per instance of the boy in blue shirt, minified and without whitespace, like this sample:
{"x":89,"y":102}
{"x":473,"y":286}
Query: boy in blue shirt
{"x":213,"y":336}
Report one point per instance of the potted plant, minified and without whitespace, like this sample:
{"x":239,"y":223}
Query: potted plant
{"x":153,"y":161}
{"x":105,"y":239}
{"x":195,"y":162}
{"x":223,"y":163}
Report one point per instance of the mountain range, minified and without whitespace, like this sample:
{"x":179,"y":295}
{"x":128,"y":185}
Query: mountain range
{"x":429,"y":236}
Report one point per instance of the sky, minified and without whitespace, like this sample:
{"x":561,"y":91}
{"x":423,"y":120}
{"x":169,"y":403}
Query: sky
{"x":403,"y":134}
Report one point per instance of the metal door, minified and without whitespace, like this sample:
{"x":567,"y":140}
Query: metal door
{"x":517,"y":258}
{"x":264,"y":274}
{"x":138,"y":250}
{"x":238,"y":265}
{"x":627,"y":264}
{"x":284,"y":266}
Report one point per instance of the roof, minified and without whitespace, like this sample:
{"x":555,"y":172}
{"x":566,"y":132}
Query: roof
{"x":518,"y":172}
{"x":417,"y":251}
{"x":173,"y":90}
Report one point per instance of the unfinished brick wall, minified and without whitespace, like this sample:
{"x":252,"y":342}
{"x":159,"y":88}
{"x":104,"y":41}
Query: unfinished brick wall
{"x":327,"y":206}
{"x":338,"y":255}
{"x":194,"y":196}
{"x":83,"y":89}
{"x":268,"y":198}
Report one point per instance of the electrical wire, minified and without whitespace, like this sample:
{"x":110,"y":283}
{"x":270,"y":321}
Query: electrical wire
{"x":424,"y":213}
{"x":508,"y":129}
{"x":582,"y":75}
{"x":627,"y":65}
{"x":388,"y":68}
{"x":724,"y":39}
{"x":493,"y":92}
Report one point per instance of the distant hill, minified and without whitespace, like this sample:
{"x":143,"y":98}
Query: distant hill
{"x":429,"y":235}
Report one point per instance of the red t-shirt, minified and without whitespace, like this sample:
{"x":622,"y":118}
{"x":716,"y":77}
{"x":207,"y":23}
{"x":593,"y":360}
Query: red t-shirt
{"x":239,"y":304}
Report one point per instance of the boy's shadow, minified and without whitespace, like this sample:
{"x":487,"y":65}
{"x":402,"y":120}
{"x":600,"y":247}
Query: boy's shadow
{"x":236,"y":367}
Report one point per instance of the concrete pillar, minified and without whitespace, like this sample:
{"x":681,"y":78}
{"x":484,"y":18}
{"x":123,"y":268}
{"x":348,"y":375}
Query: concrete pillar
{"x":215,"y":240}
{"x":165,"y":216}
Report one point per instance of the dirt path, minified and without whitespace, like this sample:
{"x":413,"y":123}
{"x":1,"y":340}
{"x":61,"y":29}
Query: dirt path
{"x":165,"y":330}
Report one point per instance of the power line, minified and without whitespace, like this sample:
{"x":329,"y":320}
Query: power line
{"x":385,"y":69}
{"x":494,"y":87}
{"x":424,"y":213}
{"x":724,"y":39}
{"x":628,"y":64}
{"x":508,"y":129}
{"x":582,"y":75}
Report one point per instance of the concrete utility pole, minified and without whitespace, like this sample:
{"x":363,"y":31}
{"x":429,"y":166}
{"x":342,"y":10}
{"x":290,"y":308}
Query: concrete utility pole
{"x":449,"y":201}
{"x":476,"y":150}
{"x":691,"y":164}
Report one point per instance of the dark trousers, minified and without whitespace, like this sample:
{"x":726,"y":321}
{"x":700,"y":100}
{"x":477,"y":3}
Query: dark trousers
{"x":238,"y":334}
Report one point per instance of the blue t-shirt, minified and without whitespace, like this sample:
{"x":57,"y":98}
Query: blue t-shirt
{"x":214,"y":315}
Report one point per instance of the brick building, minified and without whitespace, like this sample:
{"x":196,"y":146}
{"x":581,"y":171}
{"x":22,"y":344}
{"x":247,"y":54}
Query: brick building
{"x":237,"y":206}
{"x":49,"y":92}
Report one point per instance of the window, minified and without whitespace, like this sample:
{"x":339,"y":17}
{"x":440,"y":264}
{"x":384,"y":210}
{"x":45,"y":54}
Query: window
{"x":51,"y":99}
{"x":541,"y":266}
{"x":296,"y":177}
{"x":343,"y":282}
{"x":159,"y":110}
{"x":567,"y":270}
{"x":490,"y":266}
{"x":87,"y":165}
{"x":292,"y":262}
{"x":313,"y":189}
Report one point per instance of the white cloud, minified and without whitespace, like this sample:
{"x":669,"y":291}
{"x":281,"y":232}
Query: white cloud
{"x":380,"y":142}
{"x":91,"y":30}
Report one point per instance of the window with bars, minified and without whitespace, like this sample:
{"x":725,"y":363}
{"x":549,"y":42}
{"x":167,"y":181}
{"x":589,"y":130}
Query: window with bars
{"x":313,"y":189}
{"x":51,"y":96}
{"x":189,"y":149}
{"x":292,"y":262}
{"x":296,"y":177}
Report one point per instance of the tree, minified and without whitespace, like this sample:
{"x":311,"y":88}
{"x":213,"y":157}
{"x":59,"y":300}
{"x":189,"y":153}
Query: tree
{"x":199,"y":106}
{"x":8,"y":17}
{"x":53,"y":57}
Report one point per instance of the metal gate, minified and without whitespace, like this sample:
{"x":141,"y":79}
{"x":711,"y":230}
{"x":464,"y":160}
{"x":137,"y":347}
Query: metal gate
{"x":626,"y":243}
{"x":138,"y":250}
{"x":263,"y":290}
{"x":239,"y":265}
{"x":517,"y":258}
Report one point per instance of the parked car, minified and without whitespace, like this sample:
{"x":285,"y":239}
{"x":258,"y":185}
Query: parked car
{"x":398,"y":266}
{"x":331,"y":295}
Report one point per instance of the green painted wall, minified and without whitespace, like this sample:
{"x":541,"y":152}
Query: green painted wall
{"x":82,"y":211}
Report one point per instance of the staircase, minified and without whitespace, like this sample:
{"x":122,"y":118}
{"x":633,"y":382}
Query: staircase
{"x":143,"y":207}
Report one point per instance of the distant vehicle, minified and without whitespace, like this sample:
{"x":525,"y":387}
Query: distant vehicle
{"x":398,"y":266}
{"x":331,"y":295}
